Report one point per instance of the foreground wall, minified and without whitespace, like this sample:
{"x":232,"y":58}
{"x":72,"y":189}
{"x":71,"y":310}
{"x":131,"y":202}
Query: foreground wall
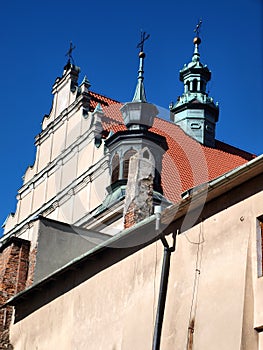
{"x":213,"y":302}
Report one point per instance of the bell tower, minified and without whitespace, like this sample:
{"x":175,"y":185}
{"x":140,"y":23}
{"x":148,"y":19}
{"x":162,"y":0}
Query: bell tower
{"x":138,"y":116}
{"x":195,"y":111}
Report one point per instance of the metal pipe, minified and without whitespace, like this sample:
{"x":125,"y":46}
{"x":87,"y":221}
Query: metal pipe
{"x":163,"y":292}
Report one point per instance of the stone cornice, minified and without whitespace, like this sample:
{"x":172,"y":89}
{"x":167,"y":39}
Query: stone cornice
{"x":81,"y":101}
{"x":90,"y":222}
{"x":69,"y":191}
{"x":58,"y":161}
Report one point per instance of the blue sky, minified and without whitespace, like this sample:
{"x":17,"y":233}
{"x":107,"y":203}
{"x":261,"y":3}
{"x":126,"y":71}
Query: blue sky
{"x":35,"y":36}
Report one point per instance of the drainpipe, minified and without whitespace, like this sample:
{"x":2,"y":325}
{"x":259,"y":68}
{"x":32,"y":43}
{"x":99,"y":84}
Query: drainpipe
{"x":163,"y":284}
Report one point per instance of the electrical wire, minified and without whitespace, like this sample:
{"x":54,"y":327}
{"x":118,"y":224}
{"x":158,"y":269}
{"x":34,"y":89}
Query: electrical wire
{"x":154,"y":288}
{"x":198,"y":262}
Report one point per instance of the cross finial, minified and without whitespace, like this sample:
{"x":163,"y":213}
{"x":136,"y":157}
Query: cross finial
{"x":144,"y":37}
{"x":140,"y":91}
{"x":198,"y":28}
{"x":69,"y":53}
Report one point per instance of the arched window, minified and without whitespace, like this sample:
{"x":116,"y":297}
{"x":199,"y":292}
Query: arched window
{"x":146,"y":154}
{"x":195,"y":85}
{"x":187,"y":85}
{"x":126,"y":161}
{"x":115,"y":168}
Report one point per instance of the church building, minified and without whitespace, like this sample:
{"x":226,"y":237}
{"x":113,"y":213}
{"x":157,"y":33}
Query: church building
{"x":132,"y":231}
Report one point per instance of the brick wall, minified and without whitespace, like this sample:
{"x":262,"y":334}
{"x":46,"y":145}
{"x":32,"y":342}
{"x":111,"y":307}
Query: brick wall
{"x":141,"y":205}
{"x":130,"y":217}
{"x":13,"y":277}
{"x":139,"y":190}
{"x":31,"y":266}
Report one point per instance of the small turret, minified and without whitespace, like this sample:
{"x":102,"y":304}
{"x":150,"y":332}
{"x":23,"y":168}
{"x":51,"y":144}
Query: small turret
{"x":138,"y":116}
{"x":195,"y":112}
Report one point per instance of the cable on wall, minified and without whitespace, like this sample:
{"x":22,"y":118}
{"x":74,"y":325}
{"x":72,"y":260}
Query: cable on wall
{"x":194,"y":301}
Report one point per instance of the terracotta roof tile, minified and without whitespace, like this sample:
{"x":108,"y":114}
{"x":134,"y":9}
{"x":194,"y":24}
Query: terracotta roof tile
{"x":187,"y":163}
{"x":97,"y":98}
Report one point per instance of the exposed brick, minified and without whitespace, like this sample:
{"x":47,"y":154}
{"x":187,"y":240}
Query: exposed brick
{"x":4,"y":340}
{"x":137,"y":212}
{"x":13,"y":277}
{"x":31,"y":266}
{"x":139,"y":190}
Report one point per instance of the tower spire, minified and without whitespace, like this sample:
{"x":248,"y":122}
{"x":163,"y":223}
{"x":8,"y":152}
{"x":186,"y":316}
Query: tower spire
{"x":139,"y":114}
{"x":195,"y":111}
{"x":140,"y":95}
{"x":197,"y":42}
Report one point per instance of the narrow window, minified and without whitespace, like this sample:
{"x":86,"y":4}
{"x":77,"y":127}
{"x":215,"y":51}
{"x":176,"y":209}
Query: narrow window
{"x":126,"y":161}
{"x":260,"y":246}
{"x":146,"y":155}
{"x":195,"y":85}
{"x":115,"y":166}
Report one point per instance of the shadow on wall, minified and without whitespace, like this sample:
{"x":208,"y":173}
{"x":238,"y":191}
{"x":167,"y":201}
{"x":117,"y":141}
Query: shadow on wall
{"x":91,"y":264}
{"x":80,"y":271}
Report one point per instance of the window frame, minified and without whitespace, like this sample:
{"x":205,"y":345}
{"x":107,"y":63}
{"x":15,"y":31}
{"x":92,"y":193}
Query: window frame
{"x":260,"y":246}
{"x":126,"y":162}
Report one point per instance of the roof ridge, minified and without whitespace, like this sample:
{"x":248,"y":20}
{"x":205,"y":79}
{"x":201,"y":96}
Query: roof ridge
{"x":238,"y":151}
{"x":99,"y":94}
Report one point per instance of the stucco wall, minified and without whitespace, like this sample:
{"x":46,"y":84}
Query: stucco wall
{"x":66,"y":158}
{"x":115,"y":308}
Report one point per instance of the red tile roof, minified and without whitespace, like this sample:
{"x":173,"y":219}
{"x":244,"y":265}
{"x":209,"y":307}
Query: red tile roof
{"x":97,"y":98}
{"x":187,"y":163}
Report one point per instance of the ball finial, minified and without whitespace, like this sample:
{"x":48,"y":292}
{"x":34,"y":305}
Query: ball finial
{"x":197,"y":40}
{"x":142,"y":54}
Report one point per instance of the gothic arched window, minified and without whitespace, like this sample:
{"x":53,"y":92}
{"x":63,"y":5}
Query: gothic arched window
{"x":126,"y":161}
{"x":146,"y":154}
{"x":115,"y":168}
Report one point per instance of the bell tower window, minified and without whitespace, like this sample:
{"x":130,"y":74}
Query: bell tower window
{"x":126,"y":161}
{"x":195,"y":85}
{"x":146,"y":155}
{"x":202,"y":86}
{"x":115,"y":166}
{"x":187,"y":86}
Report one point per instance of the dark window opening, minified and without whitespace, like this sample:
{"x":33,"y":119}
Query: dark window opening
{"x":146,"y":155}
{"x":115,"y":166}
{"x":195,"y":85}
{"x":188,"y":85}
{"x":126,"y":161}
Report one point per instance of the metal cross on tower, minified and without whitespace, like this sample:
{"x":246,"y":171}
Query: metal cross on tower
{"x":69,"y":53}
{"x":198,"y":27}
{"x":144,"y":37}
